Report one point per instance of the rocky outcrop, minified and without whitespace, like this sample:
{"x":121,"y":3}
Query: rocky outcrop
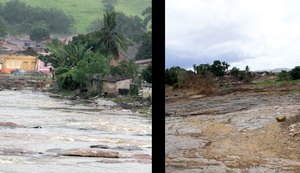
{"x":90,"y":153}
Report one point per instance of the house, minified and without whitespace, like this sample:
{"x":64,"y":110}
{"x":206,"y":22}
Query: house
{"x":113,"y":85}
{"x":44,"y":68}
{"x":12,"y":62}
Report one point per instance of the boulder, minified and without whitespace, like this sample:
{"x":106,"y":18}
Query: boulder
{"x":281,"y":118}
{"x":90,"y":153}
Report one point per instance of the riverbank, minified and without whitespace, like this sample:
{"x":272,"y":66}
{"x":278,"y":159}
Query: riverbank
{"x":45,"y":84}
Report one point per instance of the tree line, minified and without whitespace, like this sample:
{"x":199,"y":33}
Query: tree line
{"x":18,"y":18}
{"x":177,"y":76}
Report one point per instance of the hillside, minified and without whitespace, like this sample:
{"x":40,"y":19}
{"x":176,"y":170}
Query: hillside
{"x":86,"y":11}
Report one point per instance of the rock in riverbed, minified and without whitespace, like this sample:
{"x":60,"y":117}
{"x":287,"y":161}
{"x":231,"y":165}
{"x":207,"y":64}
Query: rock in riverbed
{"x":17,"y":152}
{"x":90,"y":153}
{"x":124,"y":148}
{"x":100,"y":146}
{"x":281,"y":118}
{"x":10,"y":124}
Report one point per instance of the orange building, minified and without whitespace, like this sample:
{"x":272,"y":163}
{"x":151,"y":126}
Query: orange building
{"x":12,"y":62}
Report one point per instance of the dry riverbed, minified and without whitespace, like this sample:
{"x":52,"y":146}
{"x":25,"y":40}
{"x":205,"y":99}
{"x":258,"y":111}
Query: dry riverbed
{"x":234,"y":132}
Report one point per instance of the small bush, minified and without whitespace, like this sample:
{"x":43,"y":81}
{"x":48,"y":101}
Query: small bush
{"x":134,"y":90}
{"x":295,"y":73}
{"x":283,"y":75}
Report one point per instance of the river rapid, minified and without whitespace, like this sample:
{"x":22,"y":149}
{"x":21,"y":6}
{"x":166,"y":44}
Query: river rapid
{"x":53,"y":126}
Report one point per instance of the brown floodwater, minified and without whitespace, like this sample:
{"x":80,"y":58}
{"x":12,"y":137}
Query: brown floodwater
{"x":67,"y":124}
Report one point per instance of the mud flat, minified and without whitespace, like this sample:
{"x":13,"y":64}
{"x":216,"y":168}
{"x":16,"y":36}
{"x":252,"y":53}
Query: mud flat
{"x":236,"y":132}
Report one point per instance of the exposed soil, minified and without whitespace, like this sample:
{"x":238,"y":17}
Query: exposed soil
{"x":233,"y":131}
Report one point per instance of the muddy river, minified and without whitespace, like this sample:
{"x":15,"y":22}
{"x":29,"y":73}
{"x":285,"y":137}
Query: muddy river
{"x":46,"y":127}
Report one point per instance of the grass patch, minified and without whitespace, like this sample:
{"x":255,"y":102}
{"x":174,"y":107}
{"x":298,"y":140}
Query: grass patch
{"x":276,"y":82}
{"x":84,"y":12}
{"x":145,"y":110}
{"x":295,"y":91}
{"x":65,"y":93}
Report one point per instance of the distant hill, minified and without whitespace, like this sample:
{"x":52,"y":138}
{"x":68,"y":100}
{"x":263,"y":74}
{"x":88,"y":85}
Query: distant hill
{"x":86,"y":11}
{"x":276,"y":70}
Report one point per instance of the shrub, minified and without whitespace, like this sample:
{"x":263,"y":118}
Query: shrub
{"x":295,"y":73}
{"x":283,"y":75}
{"x":147,"y":74}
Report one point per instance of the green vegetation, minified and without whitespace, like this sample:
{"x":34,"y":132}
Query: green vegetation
{"x":147,"y":74}
{"x":130,"y":26}
{"x":110,"y":42}
{"x":39,"y":34}
{"x":142,"y":109}
{"x":21,"y":18}
{"x":294,"y":74}
{"x":125,"y":69}
{"x":206,"y":78}
{"x":283,"y":75}
{"x":276,"y":82}
{"x":88,"y":57}
{"x":148,"y":16}
{"x":171,"y":75}
{"x":241,"y":75}
{"x":145,"y":49}
{"x":85,"y":12}
{"x":75,"y":64}
{"x":218,"y":68}
{"x":3,"y":28}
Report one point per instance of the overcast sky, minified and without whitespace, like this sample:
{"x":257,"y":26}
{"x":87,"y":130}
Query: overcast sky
{"x":264,"y":34}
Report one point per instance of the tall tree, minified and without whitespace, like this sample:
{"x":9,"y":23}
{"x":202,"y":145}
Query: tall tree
{"x":131,"y":27}
{"x":110,"y":41}
{"x":109,"y":5}
{"x":39,"y":34}
{"x":148,"y":16}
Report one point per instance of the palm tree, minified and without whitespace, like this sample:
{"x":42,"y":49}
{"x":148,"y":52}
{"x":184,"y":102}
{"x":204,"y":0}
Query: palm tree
{"x":109,"y":40}
{"x":68,"y":55}
{"x":148,"y":16}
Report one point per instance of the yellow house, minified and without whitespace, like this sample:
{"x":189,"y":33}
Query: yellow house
{"x":12,"y":62}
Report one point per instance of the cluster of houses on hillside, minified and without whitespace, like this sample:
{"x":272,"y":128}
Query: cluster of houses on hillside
{"x":14,"y":55}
